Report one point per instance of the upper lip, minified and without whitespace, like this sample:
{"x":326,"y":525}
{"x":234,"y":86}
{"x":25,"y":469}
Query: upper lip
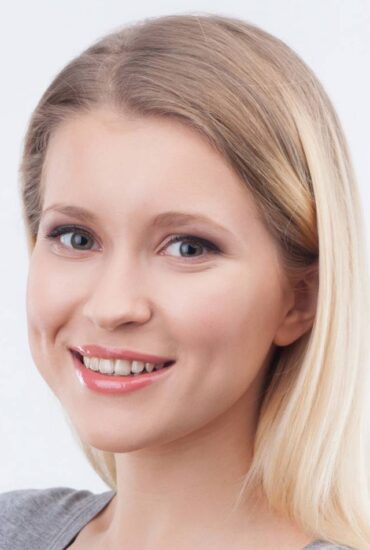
{"x":104,"y":352}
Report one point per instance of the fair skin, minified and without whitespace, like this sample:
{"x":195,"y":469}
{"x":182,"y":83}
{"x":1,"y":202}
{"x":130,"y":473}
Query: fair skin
{"x":182,"y":445}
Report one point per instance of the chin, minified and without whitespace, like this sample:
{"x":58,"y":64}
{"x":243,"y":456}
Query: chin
{"x":117,"y":439}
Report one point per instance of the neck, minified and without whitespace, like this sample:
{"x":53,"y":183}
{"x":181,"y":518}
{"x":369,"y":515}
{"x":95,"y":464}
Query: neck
{"x":192,"y":481}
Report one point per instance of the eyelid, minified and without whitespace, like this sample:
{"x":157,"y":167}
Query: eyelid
{"x":209,"y":246}
{"x":64,"y":229}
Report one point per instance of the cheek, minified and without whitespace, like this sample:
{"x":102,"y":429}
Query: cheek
{"x":48,"y":301}
{"x":223,"y":324}
{"x":226,"y":312}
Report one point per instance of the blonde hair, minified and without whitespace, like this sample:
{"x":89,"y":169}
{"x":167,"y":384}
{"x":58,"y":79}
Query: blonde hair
{"x":264,"y":110}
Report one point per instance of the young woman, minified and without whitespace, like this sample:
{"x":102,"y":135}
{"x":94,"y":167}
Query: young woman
{"x":197,"y":296}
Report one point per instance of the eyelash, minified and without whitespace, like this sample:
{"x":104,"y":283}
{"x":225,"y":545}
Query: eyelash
{"x":192,"y":239}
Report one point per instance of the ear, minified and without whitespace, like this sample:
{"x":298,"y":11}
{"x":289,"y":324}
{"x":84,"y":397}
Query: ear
{"x":300,"y":315}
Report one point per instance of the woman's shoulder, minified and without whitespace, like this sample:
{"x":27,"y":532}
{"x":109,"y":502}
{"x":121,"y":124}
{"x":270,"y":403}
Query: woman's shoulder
{"x":37,"y":518}
{"x":44,"y":518}
{"x":22,"y":503}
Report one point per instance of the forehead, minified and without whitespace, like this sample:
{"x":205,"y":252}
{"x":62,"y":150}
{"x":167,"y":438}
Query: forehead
{"x":127,"y":163}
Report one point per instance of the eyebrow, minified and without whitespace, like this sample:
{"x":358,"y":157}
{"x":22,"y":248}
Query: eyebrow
{"x":164,"y":219}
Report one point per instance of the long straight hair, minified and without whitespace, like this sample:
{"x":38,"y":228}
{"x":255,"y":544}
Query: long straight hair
{"x":260,"y":106}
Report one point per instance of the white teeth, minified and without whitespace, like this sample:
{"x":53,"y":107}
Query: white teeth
{"x":149,"y":367}
{"x":94,"y":363}
{"x":106,"y":366}
{"x":137,"y":366}
{"x":119,"y":367}
{"x":122,"y":367}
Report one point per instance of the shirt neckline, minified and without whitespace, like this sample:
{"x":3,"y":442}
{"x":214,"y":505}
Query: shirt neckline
{"x":86,"y":512}
{"x":89,"y":509}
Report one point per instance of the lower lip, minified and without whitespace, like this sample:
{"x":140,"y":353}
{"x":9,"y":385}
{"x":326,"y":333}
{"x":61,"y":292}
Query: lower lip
{"x":104,"y":383}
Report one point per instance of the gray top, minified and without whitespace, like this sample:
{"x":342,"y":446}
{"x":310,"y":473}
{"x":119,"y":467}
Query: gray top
{"x":50,"y":519}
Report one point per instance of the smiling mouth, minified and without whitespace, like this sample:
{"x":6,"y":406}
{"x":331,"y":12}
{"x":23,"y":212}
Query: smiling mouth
{"x":119,"y":368}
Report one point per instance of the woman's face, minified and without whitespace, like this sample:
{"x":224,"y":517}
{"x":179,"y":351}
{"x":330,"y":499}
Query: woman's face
{"x":216,"y":311}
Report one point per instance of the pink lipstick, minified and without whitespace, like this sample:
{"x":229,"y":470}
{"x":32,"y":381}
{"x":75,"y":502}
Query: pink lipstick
{"x":104,"y":352}
{"x":116,"y":384}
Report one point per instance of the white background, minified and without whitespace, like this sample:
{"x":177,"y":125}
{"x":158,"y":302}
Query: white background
{"x":37,"y":39}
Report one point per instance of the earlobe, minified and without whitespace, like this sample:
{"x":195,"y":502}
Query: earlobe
{"x":299,"y":317}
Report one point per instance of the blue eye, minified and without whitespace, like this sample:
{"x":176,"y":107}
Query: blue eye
{"x":79,"y":236}
{"x":78,"y":239}
{"x":192,"y":243}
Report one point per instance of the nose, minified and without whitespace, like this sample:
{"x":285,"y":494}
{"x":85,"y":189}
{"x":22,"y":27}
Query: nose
{"x":116,"y":297}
